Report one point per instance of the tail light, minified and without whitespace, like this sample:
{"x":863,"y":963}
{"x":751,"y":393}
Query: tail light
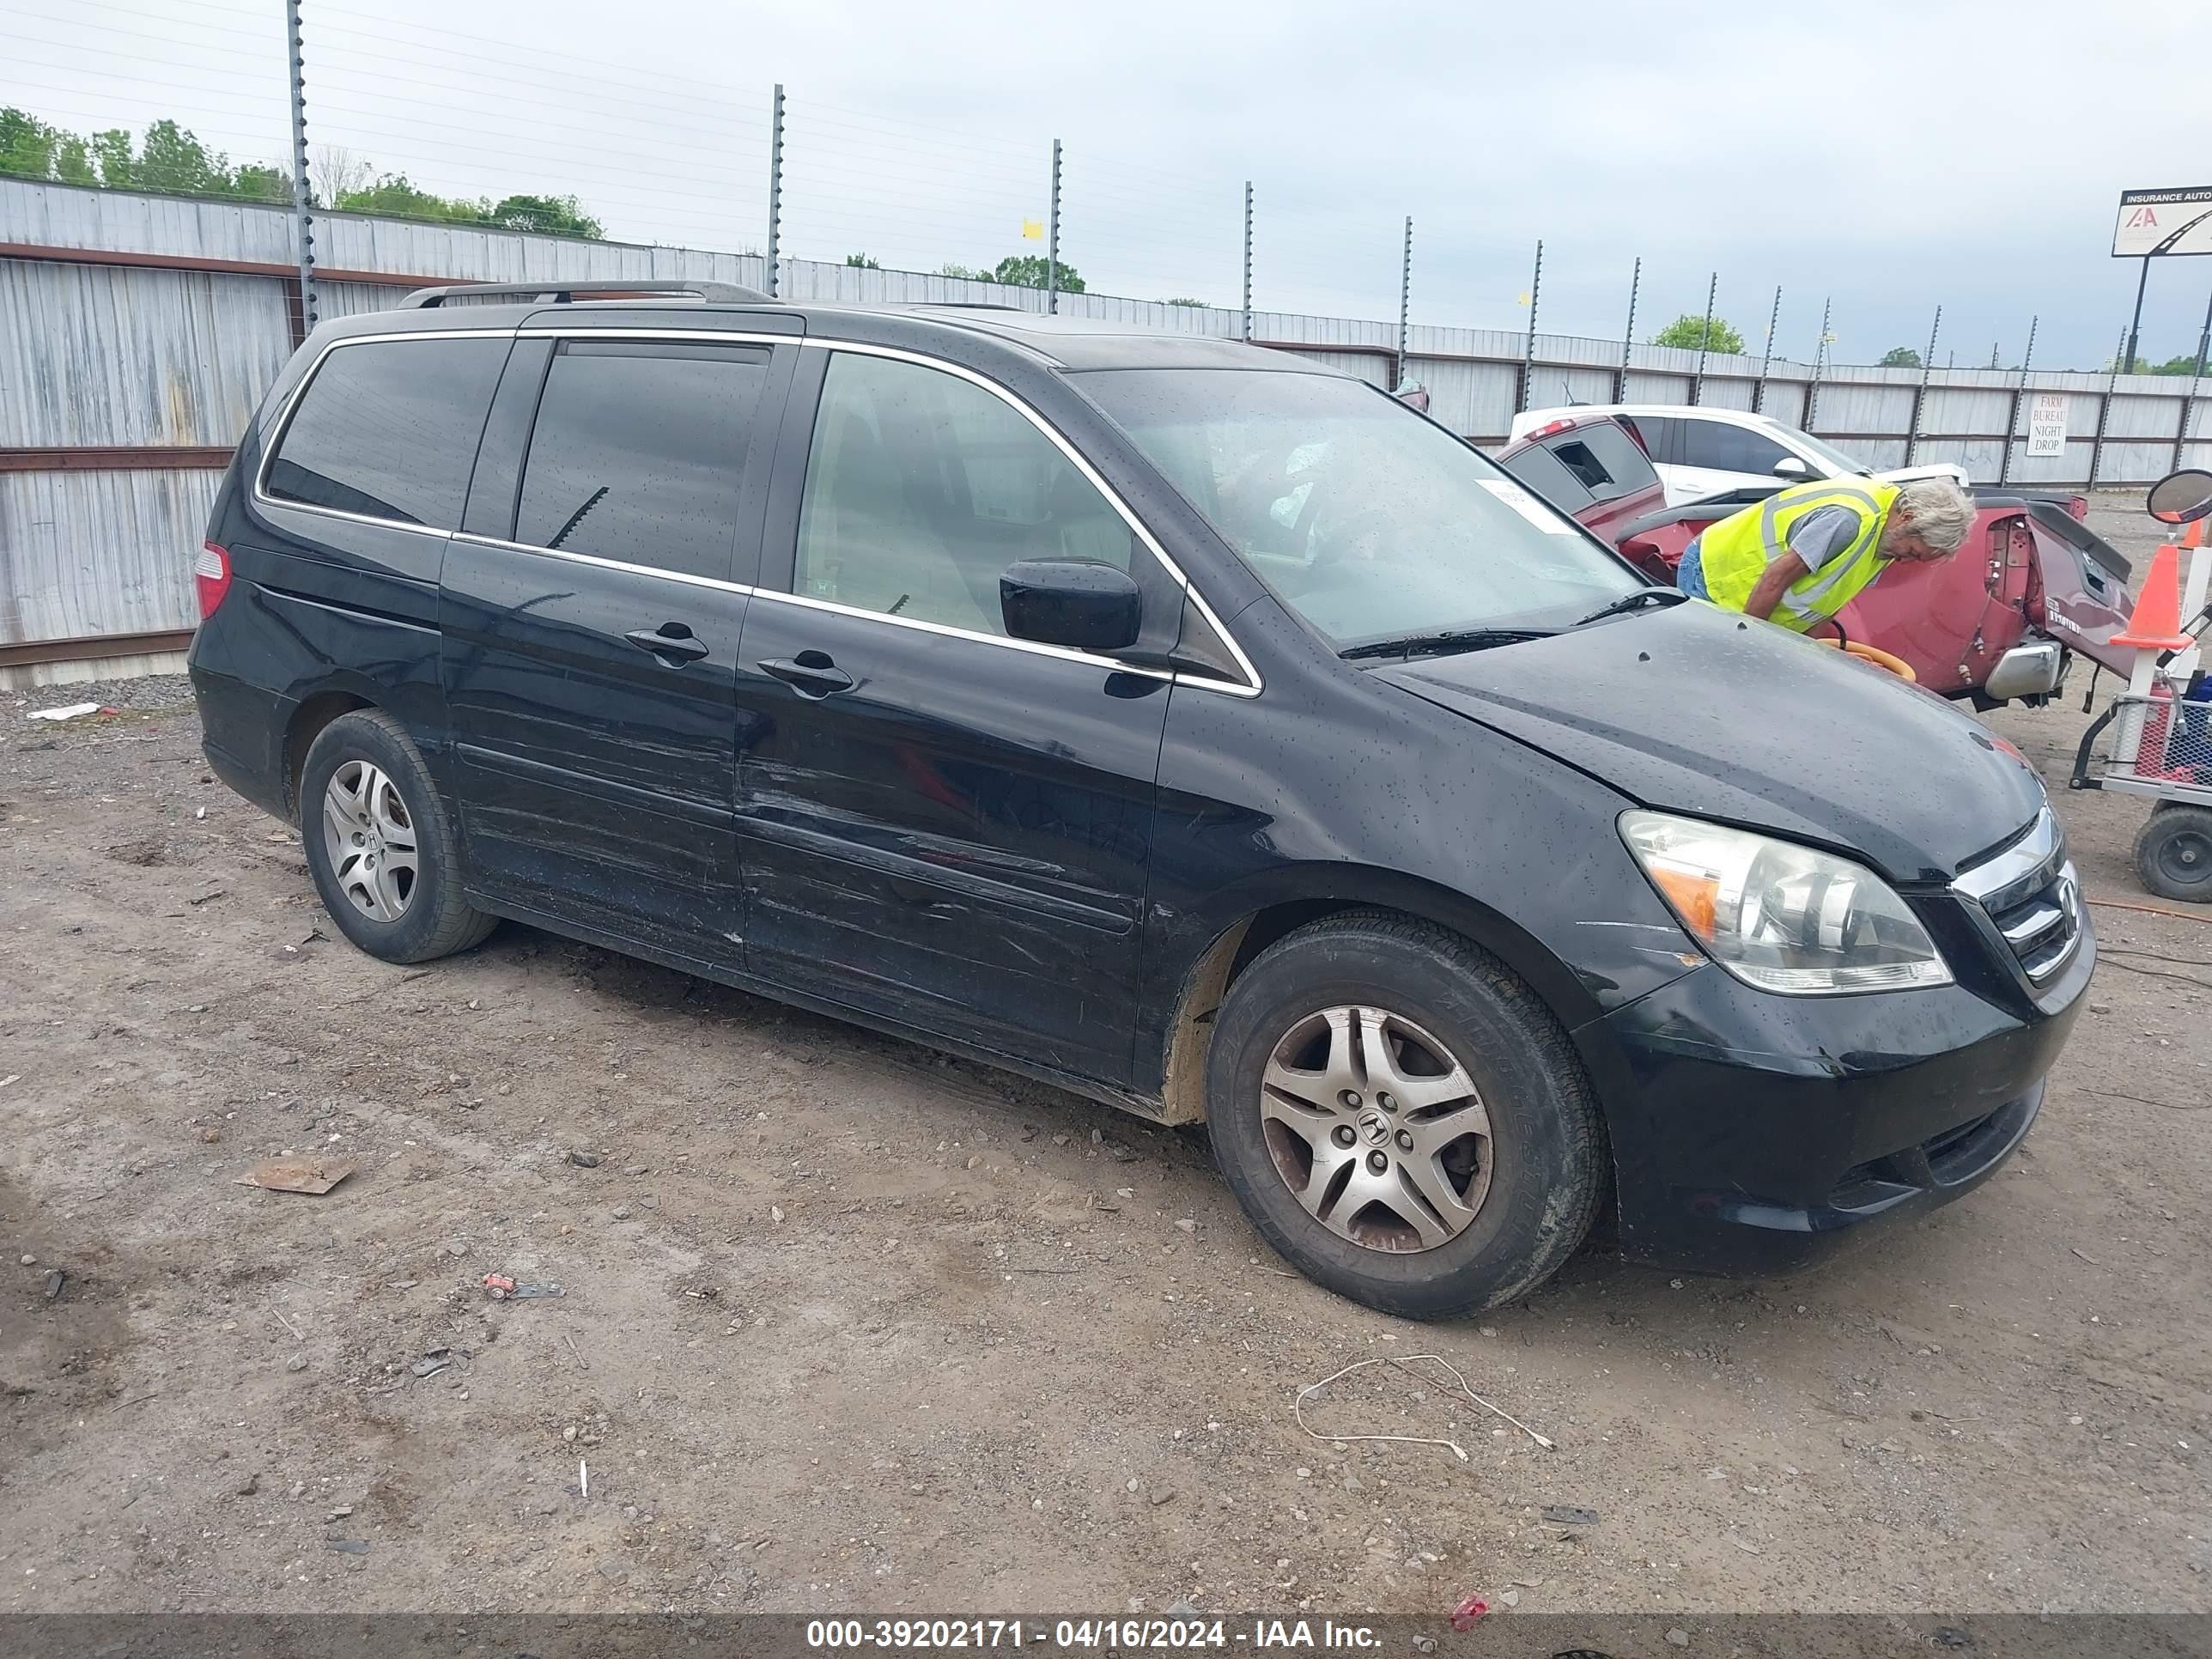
{"x":212,"y":575}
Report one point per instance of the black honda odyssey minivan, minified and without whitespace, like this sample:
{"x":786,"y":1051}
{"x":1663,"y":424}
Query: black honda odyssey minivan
{"x":1169,"y":718}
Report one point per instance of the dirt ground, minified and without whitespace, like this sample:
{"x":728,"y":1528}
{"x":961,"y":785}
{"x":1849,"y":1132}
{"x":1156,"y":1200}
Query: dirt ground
{"x":847,"y":1327}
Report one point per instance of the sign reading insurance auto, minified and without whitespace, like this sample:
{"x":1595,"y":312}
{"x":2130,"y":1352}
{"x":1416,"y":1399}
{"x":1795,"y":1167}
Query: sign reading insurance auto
{"x":2156,"y":221}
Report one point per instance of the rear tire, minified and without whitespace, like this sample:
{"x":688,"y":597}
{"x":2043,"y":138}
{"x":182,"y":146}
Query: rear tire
{"x":379,"y":844}
{"x":2173,"y":852}
{"x":1476,"y":1160}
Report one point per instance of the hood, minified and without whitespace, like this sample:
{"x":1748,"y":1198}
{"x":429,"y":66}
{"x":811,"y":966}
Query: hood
{"x":1691,"y":709}
{"x":1956,"y":474}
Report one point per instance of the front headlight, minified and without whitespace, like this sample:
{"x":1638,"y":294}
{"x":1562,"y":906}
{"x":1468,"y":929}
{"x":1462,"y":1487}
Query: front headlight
{"x":1780,"y":916}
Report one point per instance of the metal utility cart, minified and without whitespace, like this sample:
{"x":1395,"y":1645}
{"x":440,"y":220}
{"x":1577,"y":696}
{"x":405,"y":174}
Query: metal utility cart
{"x":2162,"y":725}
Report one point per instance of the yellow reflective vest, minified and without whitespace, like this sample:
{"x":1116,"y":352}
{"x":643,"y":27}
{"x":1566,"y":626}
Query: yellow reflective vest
{"x":1736,"y":550}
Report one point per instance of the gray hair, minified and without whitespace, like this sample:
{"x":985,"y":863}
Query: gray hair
{"x":1941,"y":512}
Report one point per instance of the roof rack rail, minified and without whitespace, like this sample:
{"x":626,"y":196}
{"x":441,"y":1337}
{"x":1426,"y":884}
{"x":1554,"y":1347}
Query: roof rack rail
{"x":564,"y":293}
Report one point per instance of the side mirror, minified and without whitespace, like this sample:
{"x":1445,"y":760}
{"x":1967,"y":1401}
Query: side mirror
{"x":1791,"y":469}
{"x":2181,"y":497}
{"x":1076,"y":603}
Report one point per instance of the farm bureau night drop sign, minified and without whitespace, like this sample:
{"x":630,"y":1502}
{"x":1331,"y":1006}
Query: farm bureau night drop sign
{"x":2046,"y":424}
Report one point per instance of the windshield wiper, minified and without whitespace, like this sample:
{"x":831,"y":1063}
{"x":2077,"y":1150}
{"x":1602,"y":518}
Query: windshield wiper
{"x":1642,"y":596}
{"x":1457,"y":639}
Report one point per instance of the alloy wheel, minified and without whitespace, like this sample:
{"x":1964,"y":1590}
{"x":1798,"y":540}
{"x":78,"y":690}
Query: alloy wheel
{"x":370,"y":840}
{"x":1378,"y":1133}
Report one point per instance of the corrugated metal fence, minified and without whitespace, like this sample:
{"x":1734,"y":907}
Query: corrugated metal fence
{"x":137,"y":333}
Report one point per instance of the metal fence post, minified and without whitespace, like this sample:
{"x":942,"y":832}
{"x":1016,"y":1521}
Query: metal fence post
{"x":2019,"y":397}
{"x":2104,"y":408}
{"x":2135,"y":327}
{"x":774,"y":187}
{"x":303,"y":222}
{"x":1528,"y":349}
{"x":1405,"y":297}
{"x":2189,"y":398}
{"x":1052,"y":240}
{"x":1628,"y":333}
{"x":1773,"y":322}
{"x":1920,"y":392}
{"x":1820,"y":356}
{"x":1247,"y":260}
{"x":1704,"y":341}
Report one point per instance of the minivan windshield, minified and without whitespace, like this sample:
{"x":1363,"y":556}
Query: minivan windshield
{"x":1371,"y":523}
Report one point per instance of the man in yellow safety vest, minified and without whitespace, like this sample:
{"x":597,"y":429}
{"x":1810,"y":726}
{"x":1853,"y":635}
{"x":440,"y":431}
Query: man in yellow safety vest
{"x":1799,"y":556}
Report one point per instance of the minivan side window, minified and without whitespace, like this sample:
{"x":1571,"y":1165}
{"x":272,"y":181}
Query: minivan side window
{"x":638,"y":452}
{"x":922,"y":488}
{"x":388,"y":429}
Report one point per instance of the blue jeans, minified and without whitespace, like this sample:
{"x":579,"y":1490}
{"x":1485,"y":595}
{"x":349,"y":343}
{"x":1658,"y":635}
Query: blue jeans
{"x":1690,"y":575}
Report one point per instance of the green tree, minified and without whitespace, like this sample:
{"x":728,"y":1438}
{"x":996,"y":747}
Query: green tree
{"x":864,"y":262}
{"x":261,"y":184}
{"x":1028,"y":270}
{"x":396,"y":194}
{"x":2185,"y":364}
{"x":1183,"y":303}
{"x":550,"y":215}
{"x":963,"y":273}
{"x":1900,"y":357}
{"x":1690,"y":331}
{"x":29,"y":149}
{"x":171,"y":159}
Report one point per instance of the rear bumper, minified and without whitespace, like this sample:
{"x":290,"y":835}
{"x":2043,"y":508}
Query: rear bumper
{"x":1756,"y":1133}
{"x":242,"y":734}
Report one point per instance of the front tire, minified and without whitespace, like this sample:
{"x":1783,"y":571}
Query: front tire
{"x":1402,"y":1117}
{"x":380,"y":845}
{"x":2173,"y":852}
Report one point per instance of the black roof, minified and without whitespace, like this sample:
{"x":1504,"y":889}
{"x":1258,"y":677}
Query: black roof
{"x":1080,"y":342}
{"x":1045,"y":341}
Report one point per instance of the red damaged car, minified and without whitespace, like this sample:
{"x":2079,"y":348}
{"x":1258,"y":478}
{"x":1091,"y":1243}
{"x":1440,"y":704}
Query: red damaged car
{"x":1996,"y":621}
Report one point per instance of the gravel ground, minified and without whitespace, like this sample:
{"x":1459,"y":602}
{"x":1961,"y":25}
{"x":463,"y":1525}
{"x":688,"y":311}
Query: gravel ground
{"x":147,"y":691}
{"x":846,"y":1325}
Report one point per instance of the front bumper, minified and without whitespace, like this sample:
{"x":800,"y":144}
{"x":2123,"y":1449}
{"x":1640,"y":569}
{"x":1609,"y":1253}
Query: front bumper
{"x":1751,"y":1133}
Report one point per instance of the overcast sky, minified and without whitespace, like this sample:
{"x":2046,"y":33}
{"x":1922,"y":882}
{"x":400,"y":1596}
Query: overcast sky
{"x":1893,"y":156}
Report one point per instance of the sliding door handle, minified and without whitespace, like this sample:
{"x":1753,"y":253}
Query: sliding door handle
{"x":811,"y":673}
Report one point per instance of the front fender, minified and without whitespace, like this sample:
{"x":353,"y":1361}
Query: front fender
{"x":1349,"y":792}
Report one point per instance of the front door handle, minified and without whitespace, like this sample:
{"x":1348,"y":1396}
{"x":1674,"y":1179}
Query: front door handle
{"x":811,"y":673}
{"x":671,"y":641}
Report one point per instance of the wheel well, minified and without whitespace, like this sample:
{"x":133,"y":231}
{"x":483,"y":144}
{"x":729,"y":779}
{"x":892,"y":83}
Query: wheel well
{"x":308,"y":720}
{"x":1182,"y":1084}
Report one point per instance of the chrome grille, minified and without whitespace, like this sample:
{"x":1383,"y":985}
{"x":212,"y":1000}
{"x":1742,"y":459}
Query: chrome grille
{"x":2030,"y":892}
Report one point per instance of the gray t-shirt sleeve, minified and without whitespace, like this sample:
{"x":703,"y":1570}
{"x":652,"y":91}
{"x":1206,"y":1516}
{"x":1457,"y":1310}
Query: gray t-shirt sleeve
{"x":1823,"y":533}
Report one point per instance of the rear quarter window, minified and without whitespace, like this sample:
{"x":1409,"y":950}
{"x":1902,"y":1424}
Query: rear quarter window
{"x":388,"y":429}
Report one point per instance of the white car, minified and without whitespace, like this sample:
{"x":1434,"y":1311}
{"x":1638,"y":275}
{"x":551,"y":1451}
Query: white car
{"x":1701,"y":451}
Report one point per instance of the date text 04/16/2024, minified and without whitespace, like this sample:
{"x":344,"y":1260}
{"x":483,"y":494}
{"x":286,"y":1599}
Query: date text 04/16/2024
{"x":1083,"y":1635}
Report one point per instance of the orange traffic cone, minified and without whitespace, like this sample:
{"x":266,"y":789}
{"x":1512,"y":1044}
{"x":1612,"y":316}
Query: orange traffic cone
{"x":2156,"y":623}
